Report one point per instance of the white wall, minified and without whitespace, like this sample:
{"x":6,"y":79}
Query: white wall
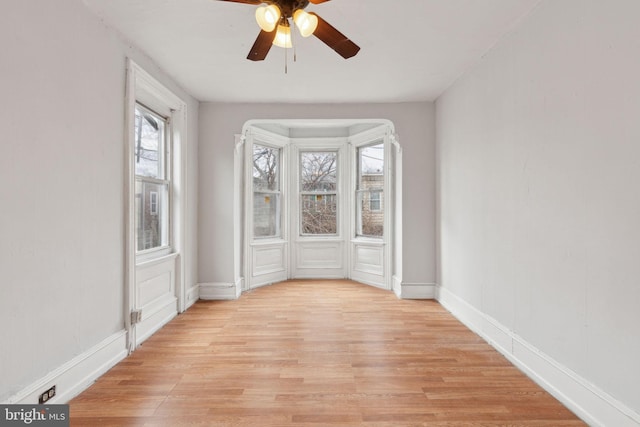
{"x":62,"y":87}
{"x":539,"y":200}
{"x":219,"y":123}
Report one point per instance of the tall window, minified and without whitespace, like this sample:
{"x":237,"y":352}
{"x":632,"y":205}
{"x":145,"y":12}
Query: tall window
{"x":318,"y":192}
{"x":370,"y":191}
{"x":152,"y":175}
{"x":267,"y":195}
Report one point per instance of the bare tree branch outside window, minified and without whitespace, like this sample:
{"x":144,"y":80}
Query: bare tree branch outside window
{"x":318,"y":192}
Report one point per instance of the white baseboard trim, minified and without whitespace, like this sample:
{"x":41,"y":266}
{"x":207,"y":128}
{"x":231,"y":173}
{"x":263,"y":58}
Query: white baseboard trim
{"x":396,"y":285}
{"x":153,"y":321}
{"x":193,"y":295}
{"x":595,"y":406}
{"x":239,"y":287}
{"x":414,"y":290}
{"x":220,"y":291}
{"x":79,"y":373}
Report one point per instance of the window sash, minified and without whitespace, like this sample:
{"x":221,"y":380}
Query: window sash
{"x":369,"y":194}
{"x":144,"y":119}
{"x":267,"y":192}
{"x":318,"y":201}
{"x":318,"y":213}
{"x":152,"y":229}
{"x":153,"y":213}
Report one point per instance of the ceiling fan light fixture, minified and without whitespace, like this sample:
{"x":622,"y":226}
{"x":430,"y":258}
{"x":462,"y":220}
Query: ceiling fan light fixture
{"x":306,"y":22}
{"x":268,"y":17}
{"x":283,"y":37}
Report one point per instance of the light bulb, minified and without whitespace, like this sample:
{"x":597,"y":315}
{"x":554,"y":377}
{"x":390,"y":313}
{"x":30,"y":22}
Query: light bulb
{"x":268,"y":17}
{"x":306,"y":22}
{"x":283,"y":37}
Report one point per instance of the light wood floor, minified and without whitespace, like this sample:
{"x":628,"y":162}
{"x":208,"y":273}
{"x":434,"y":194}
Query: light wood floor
{"x":316,"y":353}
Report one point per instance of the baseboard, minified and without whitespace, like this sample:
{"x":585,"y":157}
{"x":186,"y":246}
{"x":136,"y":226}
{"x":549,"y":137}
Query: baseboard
{"x":152,"y":321}
{"x":193,"y":295}
{"x":593,"y":405}
{"x":396,"y":286}
{"x":79,"y":373}
{"x":220,"y":291}
{"x":414,"y":290}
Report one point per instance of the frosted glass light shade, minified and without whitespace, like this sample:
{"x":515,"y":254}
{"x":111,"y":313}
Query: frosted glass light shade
{"x":283,"y":37}
{"x":268,"y":17}
{"x":306,"y":22}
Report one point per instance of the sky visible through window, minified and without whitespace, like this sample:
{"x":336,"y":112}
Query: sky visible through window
{"x":372,"y":159}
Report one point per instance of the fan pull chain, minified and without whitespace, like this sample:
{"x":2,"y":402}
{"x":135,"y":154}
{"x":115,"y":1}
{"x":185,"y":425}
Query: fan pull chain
{"x":295,"y":56}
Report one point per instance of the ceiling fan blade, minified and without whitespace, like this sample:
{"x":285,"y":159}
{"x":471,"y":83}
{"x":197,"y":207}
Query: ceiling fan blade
{"x":244,"y":1}
{"x":317,"y":1}
{"x":262,"y":45}
{"x":335,"y":39}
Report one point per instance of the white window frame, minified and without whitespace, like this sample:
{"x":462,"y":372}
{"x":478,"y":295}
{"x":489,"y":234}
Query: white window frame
{"x":278,"y":132}
{"x":144,"y":89}
{"x":164,"y":210}
{"x":358,"y":190}
{"x":271,"y":193}
{"x":322,"y":194}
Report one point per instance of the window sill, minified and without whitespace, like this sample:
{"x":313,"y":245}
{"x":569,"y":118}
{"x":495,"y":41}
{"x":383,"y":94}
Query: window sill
{"x":267,"y":241}
{"x":147,"y":260}
{"x":373,"y":241}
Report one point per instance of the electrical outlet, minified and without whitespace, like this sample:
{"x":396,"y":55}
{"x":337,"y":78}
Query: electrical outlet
{"x":46,"y":395}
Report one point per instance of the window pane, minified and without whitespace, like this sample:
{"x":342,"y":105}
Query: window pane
{"x":319,"y":214}
{"x":370,"y":222}
{"x":266,"y":214}
{"x":149,"y":143}
{"x":151,"y":215}
{"x":266,"y":168}
{"x":318,"y":171}
{"x":267,"y":205}
{"x":370,"y":195}
{"x":370,"y":163}
{"x":374,"y":200}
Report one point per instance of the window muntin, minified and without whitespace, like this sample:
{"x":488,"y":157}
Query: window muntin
{"x":267,"y":195}
{"x":370,"y":190}
{"x":318,"y":192}
{"x":152,"y":183}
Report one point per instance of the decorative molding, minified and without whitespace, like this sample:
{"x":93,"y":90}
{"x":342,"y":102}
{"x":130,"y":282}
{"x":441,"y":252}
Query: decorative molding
{"x":78,"y":374}
{"x":595,"y":406}
{"x":220,"y":291}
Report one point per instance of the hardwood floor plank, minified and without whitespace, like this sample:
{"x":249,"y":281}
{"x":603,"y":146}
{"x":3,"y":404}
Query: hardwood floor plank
{"x":316,"y":353}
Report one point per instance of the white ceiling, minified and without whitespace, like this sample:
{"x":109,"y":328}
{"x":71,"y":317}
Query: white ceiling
{"x":411,"y":50}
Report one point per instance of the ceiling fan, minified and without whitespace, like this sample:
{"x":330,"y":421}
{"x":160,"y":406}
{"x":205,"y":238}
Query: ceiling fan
{"x":273,"y":18}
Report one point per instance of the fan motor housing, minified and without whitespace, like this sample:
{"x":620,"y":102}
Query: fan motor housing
{"x":287,"y":7}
